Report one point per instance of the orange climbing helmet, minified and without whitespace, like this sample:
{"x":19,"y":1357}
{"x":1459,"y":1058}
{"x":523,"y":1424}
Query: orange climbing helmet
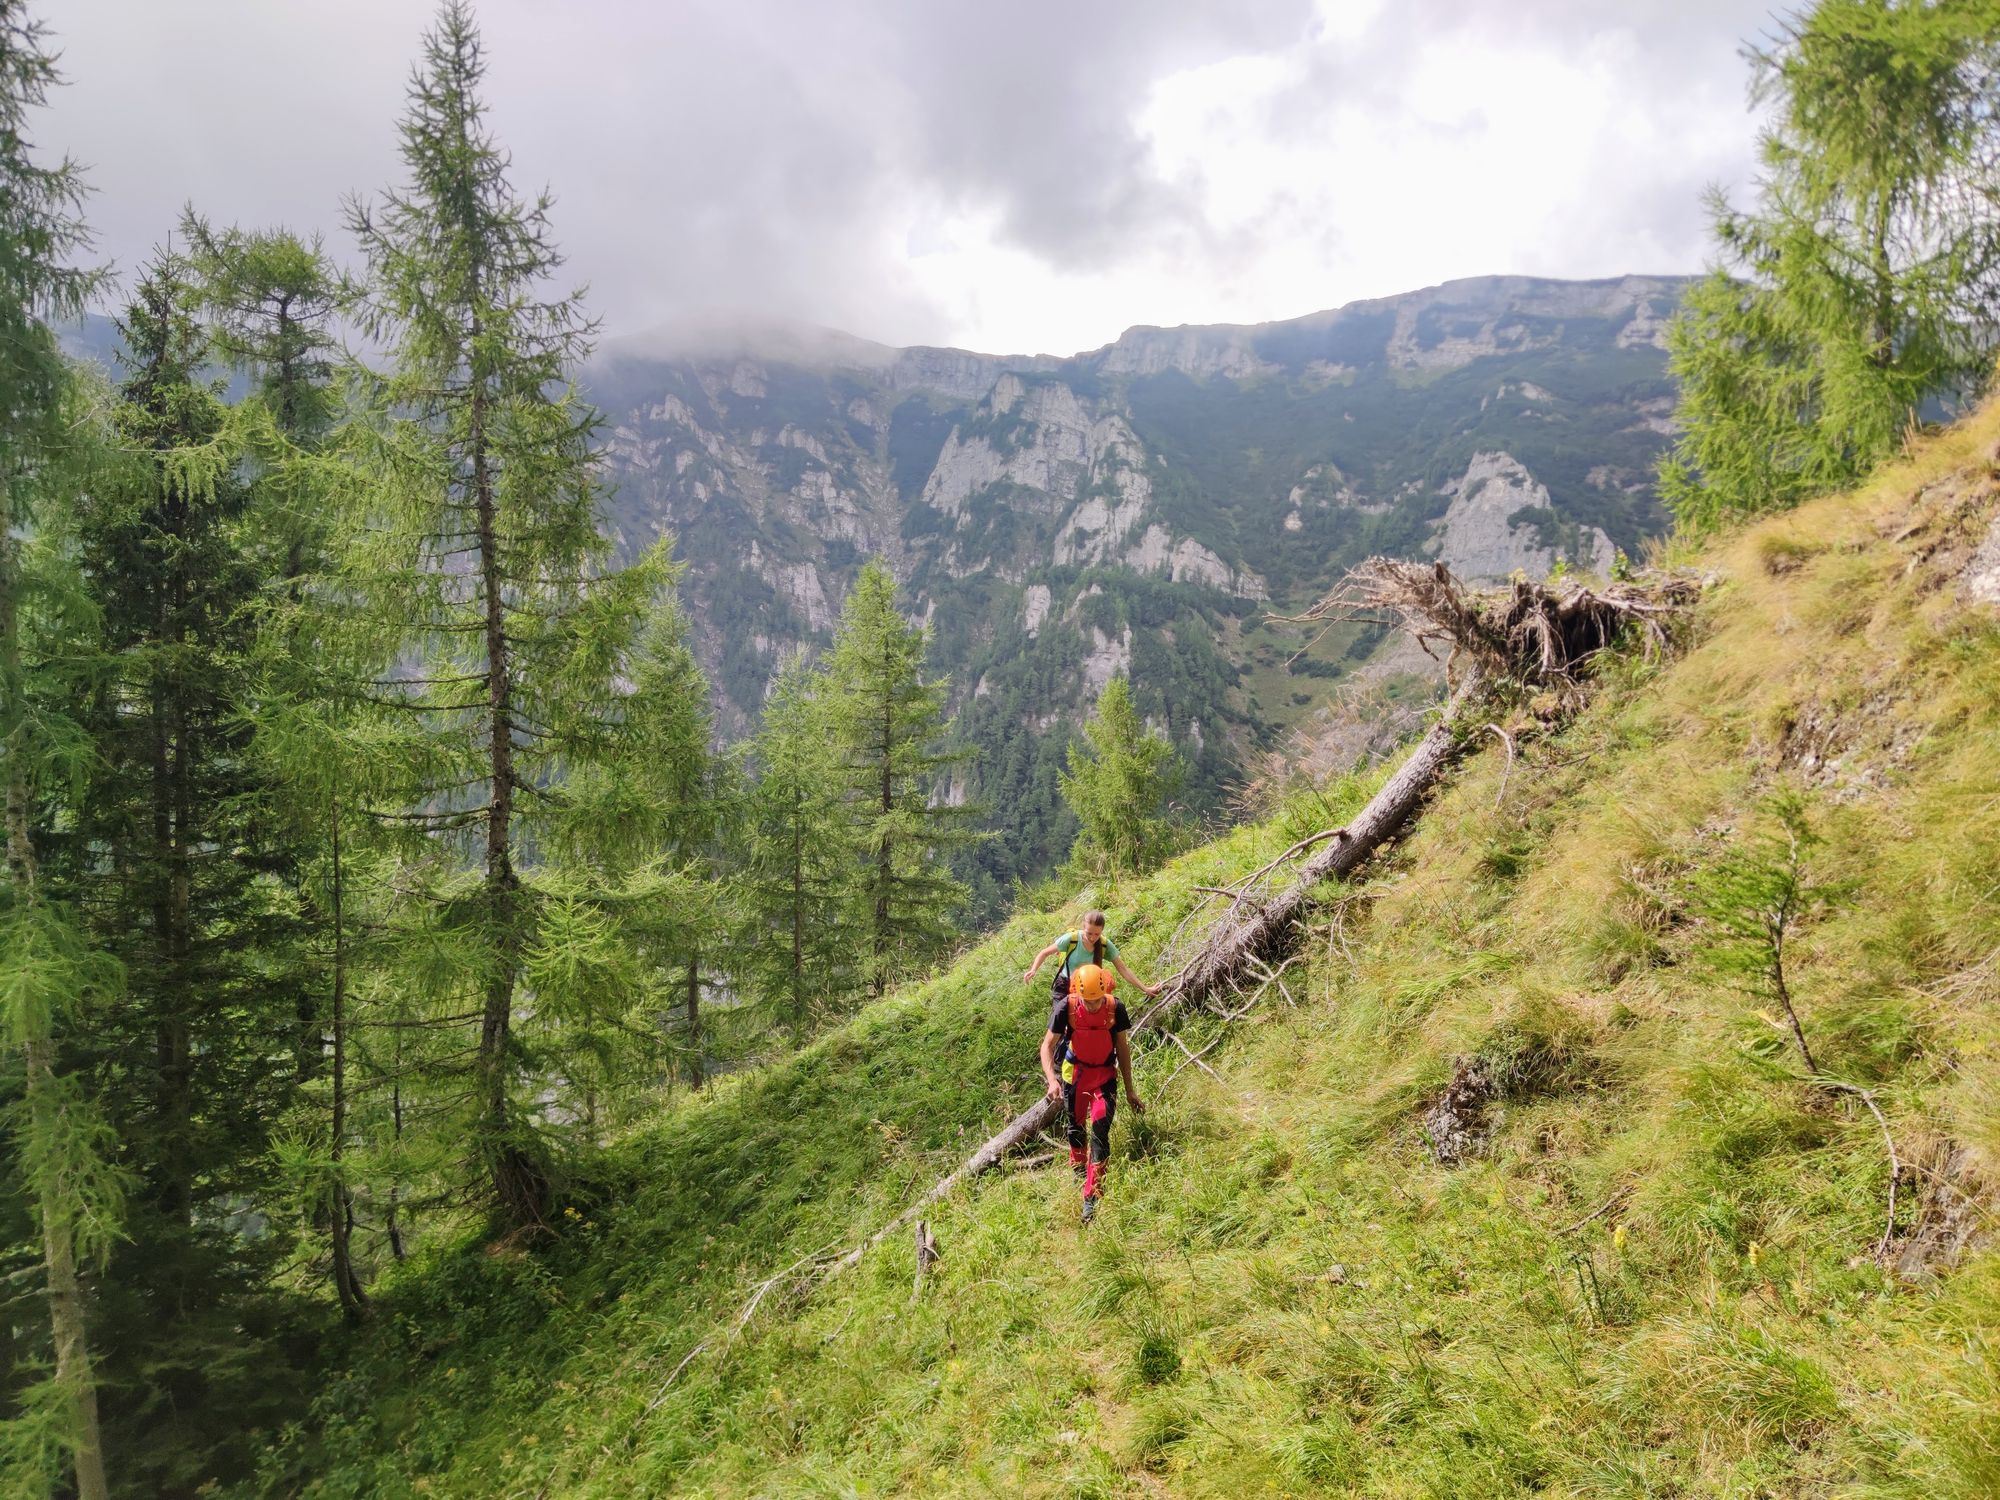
{"x":1089,"y":982}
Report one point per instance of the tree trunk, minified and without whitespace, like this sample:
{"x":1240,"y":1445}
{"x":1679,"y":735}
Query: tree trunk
{"x":694,"y":1017}
{"x":884,"y":862}
{"x":66,"y":1311}
{"x":172,"y":1047}
{"x":517,"y":1181}
{"x":346,"y":1285}
{"x":73,"y":1372}
{"x":1883,"y":352}
{"x":1267,"y":930}
{"x":392,"y":1223}
{"x":798,"y":921}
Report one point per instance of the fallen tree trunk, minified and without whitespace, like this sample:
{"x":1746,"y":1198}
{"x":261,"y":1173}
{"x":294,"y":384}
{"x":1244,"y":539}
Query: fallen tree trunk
{"x":1264,"y":932}
{"x":1532,"y":635}
{"x":1260,"y":935}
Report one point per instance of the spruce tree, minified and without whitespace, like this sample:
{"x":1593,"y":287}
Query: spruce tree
{"x":272,"y":298}
{"x":801,"y":943}
{"x":176,"y":851}
{"x":1119,"y":782}
{"x":1865,"y":284}
{"x":484,"y":567}
{"x":906,"y":818}
{"x":49,"y":971}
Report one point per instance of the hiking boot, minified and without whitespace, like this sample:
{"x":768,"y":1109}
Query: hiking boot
{"x":1089,"y":1209}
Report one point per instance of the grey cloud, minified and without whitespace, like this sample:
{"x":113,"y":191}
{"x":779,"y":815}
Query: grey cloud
{"x":715,"y":157}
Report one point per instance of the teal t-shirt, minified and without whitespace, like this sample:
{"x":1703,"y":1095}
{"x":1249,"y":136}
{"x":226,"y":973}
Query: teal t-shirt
{"x":1072,"y":952}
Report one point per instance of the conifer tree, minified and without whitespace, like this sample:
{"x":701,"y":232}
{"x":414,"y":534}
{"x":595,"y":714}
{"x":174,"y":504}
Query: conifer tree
{"x":800,"y":943}
{"x":1119,"y":781}
{"x":483,"y":562}
{"x":175,"y":850}
{"x":1866,"y":281}
{"x":273,"y":297}
{"x":905,"y":818}
{"x":665,"y":799}
{"x":49,"y":972}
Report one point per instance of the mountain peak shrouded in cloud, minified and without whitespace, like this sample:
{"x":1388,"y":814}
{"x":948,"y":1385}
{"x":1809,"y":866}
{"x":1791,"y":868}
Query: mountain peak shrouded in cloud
{"x":941,"y":175}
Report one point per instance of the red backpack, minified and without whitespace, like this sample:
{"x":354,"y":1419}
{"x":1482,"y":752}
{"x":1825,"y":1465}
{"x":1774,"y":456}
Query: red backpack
{"x":1090,"y":1045}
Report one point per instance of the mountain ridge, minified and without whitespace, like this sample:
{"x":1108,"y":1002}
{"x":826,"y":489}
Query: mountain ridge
{"x":1138,"y":508}
{"x":789,"y":338}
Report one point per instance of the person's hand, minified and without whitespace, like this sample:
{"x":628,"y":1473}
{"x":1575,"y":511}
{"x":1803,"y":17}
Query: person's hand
{"x":1055,"y":1093}
{"x":1027,"y":976}
{"x":1138,"y":1104}
{"x":1152,"y":989}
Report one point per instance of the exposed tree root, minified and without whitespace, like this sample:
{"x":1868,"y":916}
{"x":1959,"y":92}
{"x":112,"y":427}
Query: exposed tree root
{"x":1541,"y":636}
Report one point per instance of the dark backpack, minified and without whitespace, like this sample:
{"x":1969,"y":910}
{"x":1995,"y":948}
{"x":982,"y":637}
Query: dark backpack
{"x":1060,"y":989}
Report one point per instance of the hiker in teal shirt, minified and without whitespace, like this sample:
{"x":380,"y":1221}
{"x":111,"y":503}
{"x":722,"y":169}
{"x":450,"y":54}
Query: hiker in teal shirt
{"x":1089,"y":946}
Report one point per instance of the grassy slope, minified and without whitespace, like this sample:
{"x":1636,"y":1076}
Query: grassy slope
{"x":1285,"y":1295}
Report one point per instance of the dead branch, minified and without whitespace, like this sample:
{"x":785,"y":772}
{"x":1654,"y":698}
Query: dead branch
{"x":743,"y":1318}
{"x":1236,"y":896}
{"x":1192,"y":1057}
{"x":1597,"y":1213}
{"x":1508,"y":770}
{"x":1889,"y":1142}
{"x":686,"y":1360}
{"x":928,"y":1255}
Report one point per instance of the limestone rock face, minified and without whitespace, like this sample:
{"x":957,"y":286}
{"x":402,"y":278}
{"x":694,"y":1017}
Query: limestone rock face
{"x":1480,"y":538}
{"x":1199,"y":352}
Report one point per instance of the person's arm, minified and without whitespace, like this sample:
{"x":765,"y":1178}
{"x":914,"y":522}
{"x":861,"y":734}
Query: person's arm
{"x":1125,"y":1066}
{"x":1049,"y":1066}
{"x":1133,"y":979}
{"x":1041,"y":958}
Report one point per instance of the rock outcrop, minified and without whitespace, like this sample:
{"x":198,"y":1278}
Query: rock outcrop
{"x":1485,"y":535}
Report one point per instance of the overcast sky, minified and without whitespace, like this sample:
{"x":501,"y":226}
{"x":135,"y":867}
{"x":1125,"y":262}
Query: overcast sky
{"x":1035,"y":176}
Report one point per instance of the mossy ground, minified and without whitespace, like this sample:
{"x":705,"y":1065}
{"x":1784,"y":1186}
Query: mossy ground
{"x":1653,"y":1280}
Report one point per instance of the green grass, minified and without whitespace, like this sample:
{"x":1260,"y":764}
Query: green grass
{"x":1653,"y":1280}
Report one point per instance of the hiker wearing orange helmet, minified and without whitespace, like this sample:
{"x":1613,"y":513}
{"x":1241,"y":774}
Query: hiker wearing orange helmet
{"x":1089,"y":1023}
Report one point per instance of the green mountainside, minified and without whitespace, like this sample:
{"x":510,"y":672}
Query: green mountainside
{"x":1141,"y":508}
{"x":1652,"y":1274}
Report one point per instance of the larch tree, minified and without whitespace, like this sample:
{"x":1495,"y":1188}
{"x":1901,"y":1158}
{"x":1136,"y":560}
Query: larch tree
{"x":906,"y":816}
{"x":1120,"y":779}
{"x":484,"y":568}
{"x":664,"y":803}
{"x":1864,"y":286}
{"x":50,"y":973}
{"x":800,"y":942}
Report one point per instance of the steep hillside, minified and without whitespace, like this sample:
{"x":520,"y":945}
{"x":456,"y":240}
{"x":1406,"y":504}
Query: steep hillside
{"x":1650,"y":1274}
{"x":1138,"y":508}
